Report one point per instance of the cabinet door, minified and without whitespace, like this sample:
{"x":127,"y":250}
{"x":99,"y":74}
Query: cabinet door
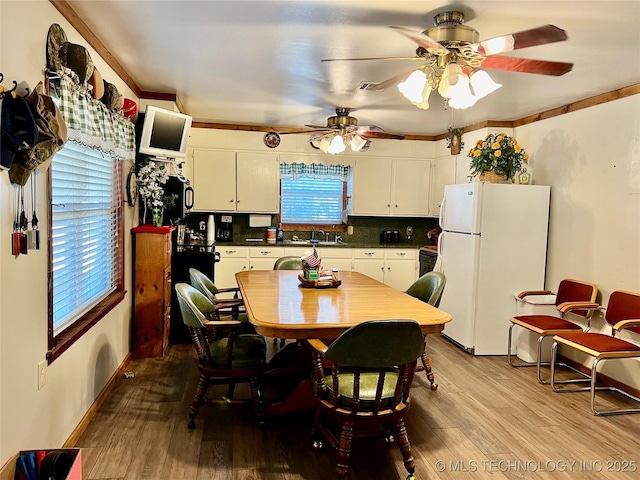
{"x":400,"y":274}
{"x":371,"y":268}
{"x":232,"y":260}
{"x":444,"y":173}
{"x":258,"y":182}
{"x":371,"y":186}
{"x":214,"y":181}
{"x":411,"y":182}
{"x":263,"y":258}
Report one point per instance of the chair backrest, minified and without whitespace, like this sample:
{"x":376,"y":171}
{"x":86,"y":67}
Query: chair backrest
{"x":378,"y":358}
{"x":203,"y":284}
{"x":623,"y":306}
{"x":194,"y":306}
{"x":378,"y":344}
{"x":429,"y":288}
{"x":290,"y":262}
{"x":570,"y":290}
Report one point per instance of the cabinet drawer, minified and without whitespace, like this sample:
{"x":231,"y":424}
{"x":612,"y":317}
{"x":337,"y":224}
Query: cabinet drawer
{"x":401,"y":254}
{"x":266,"y":252}
{"x":337,"y":252}
{"x":368,"y":253}
{"x":233,"y":252}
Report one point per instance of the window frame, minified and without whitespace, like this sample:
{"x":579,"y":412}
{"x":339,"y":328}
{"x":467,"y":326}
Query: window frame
{"x":296,"y":227}
{"x":58,"y":344}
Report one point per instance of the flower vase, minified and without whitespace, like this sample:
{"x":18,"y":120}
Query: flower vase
{"x":492,"y":177}
{"x":157,"y":213}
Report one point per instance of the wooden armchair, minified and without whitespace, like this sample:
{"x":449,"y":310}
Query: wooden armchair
{"x":369,"y":370}
{"x":622,"y":314}
{"x":573,"y":296}
{"x":428,"y":288}
{"x":224,"y":356}
{"x":224,"y":306}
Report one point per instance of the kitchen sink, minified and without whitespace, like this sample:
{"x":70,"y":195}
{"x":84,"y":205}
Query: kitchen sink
{"x":312,"y":242}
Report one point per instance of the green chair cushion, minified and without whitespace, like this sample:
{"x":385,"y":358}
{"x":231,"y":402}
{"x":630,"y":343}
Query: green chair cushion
{"x":249,"y":351}
{"x":368,"y":385}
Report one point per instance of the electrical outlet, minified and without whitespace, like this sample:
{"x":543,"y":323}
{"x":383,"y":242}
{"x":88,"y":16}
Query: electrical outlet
{"x":42,"y":374}
{"x":350,"y":230}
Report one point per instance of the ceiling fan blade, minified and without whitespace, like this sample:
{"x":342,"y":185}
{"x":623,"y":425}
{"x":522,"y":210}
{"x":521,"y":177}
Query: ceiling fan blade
{"x":369,"y":58}
{"x":318,"y":128}
{"x":390,"y":81}
{"x":373,"y":131}
{"x":524,"y":39}
{"x":422,"y":40}
{"x":527,"y":65}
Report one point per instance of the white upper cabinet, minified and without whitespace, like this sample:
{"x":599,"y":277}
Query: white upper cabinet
{"x":258,"y":182}
{"x":444,"y":173}
{"x":226,"y":181}
{"x":214,"y":180}
{"x":391,"y":187}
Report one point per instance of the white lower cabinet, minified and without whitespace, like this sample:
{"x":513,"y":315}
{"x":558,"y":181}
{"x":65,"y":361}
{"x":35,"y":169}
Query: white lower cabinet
{"x":263,"y":258}
{"x":396,"y":267}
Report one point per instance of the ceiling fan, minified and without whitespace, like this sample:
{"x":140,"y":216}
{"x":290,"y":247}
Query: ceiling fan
{"x":342,"y":130}
{"x":453,"y":56}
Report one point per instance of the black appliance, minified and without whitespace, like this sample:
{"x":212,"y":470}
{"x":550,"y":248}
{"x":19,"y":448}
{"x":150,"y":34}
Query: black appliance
{"x":184,"y":257}
{"x":224,"y":228}
{"x":184,"y":200}
{"x":390,"y":236}
{"x":427,"y":261}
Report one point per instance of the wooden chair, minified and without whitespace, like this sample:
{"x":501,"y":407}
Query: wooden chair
{"x":290,"y":262}
{"x":428,"y":288}
{"x":224,"y":306}
{"x":369,"y":370}
{"x":622,"y":313}
{"x":224,"y":356}
{"x":573,"y":296}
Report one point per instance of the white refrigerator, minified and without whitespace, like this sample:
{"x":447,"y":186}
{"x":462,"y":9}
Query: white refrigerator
{"x":493,"y":243}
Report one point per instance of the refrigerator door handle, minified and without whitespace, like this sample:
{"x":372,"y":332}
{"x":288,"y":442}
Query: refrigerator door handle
{"x":441,"y":217}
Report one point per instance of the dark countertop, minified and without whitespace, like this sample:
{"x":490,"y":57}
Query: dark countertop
{"x":343,"y":245}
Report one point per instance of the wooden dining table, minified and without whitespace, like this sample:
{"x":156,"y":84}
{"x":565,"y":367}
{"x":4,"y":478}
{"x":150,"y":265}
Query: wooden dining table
{"x":279,"y":306}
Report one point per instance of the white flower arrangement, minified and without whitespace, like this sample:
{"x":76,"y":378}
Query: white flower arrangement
{"x":151,"y":178}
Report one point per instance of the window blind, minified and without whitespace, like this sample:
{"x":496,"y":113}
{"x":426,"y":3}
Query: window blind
{"x":85,"y":254}
{"x":311,"y":200}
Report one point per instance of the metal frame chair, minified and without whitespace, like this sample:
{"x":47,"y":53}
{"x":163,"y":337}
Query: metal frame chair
{"x":428,"y":288}
{"x":621,"y":313}
{"x":573,"y":296}
{"x":362,"y":380}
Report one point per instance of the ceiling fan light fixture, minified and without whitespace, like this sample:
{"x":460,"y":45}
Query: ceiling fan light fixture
{"x":336,"y":145}
{"x":357,"y":142}
{"x":413,"y":86}
{"x":502,"y":44}
{"x":482,"y":84}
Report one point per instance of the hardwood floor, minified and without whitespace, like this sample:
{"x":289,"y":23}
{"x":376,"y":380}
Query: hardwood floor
{"x":487,"y":420}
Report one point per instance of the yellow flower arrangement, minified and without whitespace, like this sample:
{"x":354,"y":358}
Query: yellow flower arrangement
{"x":498,"y":152}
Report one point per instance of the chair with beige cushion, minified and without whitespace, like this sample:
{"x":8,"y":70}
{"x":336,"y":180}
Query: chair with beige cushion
{"x":225,"y":356}
{"x":362,"y":382}
{"x":428,"y":288}
{"x":573,"y":296}
{"x":622,"y":315}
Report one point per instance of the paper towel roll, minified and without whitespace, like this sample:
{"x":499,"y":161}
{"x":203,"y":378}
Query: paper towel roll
{"x":211,"y":230}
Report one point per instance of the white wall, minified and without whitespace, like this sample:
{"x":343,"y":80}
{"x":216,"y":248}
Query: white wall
{"x":591,"y":159}
{"x":32,"y":418}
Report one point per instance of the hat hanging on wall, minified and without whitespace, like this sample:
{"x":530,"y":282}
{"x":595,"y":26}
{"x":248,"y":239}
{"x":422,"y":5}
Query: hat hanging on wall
{"x":19,"y":129}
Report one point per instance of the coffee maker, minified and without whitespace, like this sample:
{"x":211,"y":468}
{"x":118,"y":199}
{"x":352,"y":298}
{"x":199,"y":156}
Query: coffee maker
{"x":224,"y":228}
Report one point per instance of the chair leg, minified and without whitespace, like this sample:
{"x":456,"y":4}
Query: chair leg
{"x":402,"y":439}
{"x":256,"y":396}
{"x":201,"y":390}
{"x":426,"y":363}
{"x":344,"y":449}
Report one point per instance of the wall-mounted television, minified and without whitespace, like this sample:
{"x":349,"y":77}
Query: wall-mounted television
{"x":164,"y":133}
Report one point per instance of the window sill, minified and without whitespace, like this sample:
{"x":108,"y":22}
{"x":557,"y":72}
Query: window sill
{"x":70,"y":335}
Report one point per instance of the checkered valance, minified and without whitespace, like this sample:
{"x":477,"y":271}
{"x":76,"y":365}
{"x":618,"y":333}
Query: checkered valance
{"x":295,"y":170}
{"x":89,"y":121}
